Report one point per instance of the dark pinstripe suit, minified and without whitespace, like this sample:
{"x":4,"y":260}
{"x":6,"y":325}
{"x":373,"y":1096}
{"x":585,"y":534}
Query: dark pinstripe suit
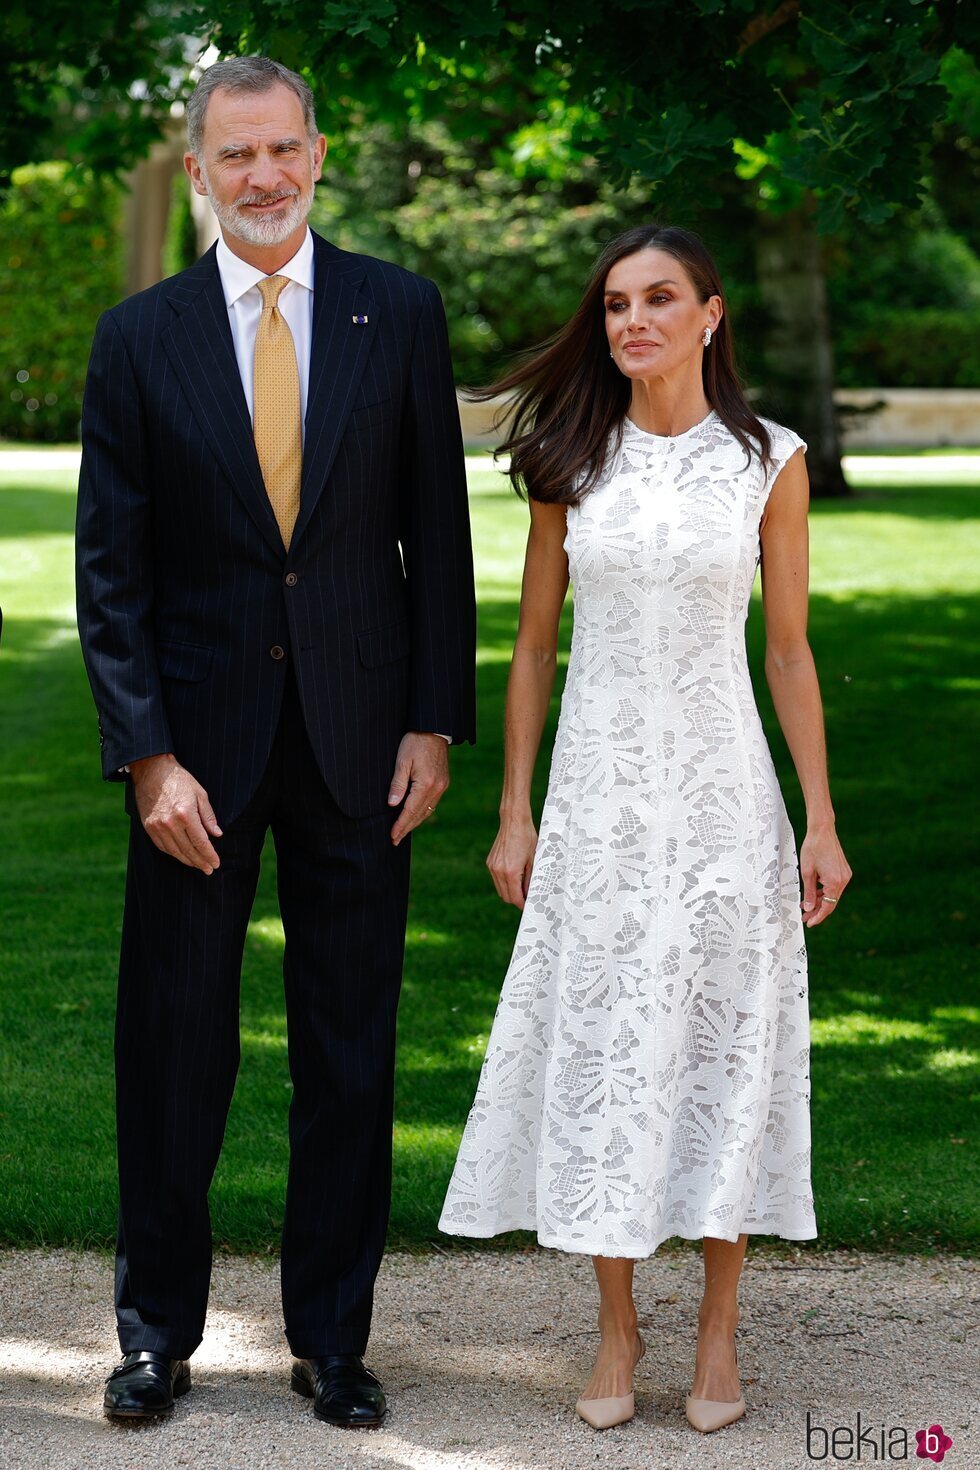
{"x":284,"y":684}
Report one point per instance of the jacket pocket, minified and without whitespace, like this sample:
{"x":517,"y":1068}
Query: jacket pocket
{"x":376,"y":405}
{"x":187,"y":661}
{"x":383,"y":645}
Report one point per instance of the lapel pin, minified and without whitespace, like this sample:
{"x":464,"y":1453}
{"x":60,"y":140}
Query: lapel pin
{"x":359,"y":321}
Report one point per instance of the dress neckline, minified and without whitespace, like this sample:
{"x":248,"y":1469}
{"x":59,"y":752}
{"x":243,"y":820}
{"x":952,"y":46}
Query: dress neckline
{"x":671,"y":438}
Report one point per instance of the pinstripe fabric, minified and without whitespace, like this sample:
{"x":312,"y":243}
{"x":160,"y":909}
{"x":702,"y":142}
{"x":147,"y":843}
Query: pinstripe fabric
{"x":343,"y":893}
{"x":283,"y":681}
{"x":181,"y":572}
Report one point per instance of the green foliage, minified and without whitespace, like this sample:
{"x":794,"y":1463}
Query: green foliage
{"x":955,"y":151}
{"x":87,"y":81}
{"x":510,"y":248}
{"x":840,"y":98}
{"x":60,"y":267}
{"x":910,"y":349}
{"x":905,"y":305}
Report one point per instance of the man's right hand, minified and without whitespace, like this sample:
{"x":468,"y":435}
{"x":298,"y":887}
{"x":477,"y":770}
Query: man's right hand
{"x":175,"y":811}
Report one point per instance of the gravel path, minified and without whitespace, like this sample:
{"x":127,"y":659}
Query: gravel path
{"x":482,"y":1357}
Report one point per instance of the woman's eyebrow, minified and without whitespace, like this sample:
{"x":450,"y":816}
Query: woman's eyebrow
{"x":646,"y":288}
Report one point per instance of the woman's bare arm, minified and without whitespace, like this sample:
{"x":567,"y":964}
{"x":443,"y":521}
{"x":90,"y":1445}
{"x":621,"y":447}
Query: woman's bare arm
{"x":792,"y":678}
{"x":529,"y":688}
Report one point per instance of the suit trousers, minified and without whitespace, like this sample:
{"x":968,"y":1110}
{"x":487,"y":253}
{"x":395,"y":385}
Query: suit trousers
{"x":343,"y":896}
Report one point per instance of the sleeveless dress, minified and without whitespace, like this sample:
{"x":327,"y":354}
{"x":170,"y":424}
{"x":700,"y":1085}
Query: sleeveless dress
{"x":647,"y":1069}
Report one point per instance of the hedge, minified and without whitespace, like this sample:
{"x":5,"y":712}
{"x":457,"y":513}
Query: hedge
{"x":61,"y":265}
{"x":911,"y":349}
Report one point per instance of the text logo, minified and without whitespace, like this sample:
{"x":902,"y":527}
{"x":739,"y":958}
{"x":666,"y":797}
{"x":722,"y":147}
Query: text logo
{"x":873,"y":1443}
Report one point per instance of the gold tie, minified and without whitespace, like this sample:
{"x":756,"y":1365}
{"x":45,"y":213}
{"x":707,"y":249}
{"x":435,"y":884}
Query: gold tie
{"x":276,"y":417}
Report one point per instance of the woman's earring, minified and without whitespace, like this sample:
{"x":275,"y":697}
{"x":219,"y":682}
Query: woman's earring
{"x":706,"y":336}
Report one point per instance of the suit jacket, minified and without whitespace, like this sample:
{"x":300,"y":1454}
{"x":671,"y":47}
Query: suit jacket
{"x":189,"y":607}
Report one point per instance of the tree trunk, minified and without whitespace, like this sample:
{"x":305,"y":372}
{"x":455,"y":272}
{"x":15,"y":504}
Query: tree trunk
{"x":147,"y":211}
{"x":799,"y":358}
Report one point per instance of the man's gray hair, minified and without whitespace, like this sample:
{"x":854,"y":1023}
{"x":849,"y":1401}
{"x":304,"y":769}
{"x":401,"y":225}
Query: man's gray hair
{"x":244,"y":74}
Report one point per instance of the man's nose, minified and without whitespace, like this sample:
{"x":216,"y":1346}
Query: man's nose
{"x":265,"y":173}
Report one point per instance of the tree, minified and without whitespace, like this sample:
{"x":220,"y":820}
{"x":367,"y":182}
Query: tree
{"x":89,"y":82}
{"x":822,"y":111}
{"x":817,"y":113}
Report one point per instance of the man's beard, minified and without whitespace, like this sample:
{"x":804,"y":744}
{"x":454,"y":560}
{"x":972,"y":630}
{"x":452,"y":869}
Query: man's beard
{"x":268,"y":228}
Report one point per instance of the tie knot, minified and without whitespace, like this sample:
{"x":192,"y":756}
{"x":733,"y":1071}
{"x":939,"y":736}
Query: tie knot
{"x":271,"y":289}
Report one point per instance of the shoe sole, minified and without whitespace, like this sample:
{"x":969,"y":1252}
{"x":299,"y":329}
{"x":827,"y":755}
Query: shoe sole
{"x":182,"y":1386}
{"x":301,"y":1386}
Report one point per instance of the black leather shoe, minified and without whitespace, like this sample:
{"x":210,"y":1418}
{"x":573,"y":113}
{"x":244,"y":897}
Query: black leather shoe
{"x":343,"y":1391}
{"x":144,"y":1386}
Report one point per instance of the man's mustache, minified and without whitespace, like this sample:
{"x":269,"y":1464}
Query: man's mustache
{"x":266,"y":198}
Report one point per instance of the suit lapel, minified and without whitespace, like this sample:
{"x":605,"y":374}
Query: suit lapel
{"x":200,"y":347}
{"x":338,"y":356}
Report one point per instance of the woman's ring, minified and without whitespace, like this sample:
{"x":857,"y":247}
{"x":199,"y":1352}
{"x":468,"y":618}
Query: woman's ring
{"x":827,"y":899}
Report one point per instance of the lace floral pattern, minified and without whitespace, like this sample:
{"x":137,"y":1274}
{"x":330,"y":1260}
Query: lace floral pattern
{"x":647,"y":1072}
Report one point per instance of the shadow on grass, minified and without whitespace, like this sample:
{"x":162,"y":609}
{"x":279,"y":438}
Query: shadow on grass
{"x":44,"y":508}
{"x":950,"y":501}
{"x":44,"y":505}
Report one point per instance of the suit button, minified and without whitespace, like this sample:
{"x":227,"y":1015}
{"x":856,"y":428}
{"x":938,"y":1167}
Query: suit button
{"x":291,"y":579}
{"x":277,"y":652}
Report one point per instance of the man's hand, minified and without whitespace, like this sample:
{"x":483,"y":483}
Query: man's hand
{"x":175,"y":811}
{"x":421,"y":769}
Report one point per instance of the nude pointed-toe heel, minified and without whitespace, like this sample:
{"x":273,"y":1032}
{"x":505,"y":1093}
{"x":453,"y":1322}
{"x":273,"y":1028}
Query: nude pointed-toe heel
{"x":710,"y":1414}
{"x":605,"y":1413}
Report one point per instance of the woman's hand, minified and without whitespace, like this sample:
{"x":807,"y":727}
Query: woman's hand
{"x":825,"y":872}
{"x":511,"y":858}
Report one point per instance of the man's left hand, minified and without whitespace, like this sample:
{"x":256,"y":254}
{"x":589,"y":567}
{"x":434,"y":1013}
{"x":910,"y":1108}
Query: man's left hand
{"x":421,"y":769}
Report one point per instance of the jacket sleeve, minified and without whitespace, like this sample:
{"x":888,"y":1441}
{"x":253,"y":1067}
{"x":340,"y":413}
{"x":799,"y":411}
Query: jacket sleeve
{"x":435,"y":538}
{"x":113,"y":560}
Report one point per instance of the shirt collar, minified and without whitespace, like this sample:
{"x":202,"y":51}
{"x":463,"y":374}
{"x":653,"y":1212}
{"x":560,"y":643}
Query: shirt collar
{"x":237,"y":276}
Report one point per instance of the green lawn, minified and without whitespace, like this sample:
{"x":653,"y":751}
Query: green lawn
{"x":892,"y":994}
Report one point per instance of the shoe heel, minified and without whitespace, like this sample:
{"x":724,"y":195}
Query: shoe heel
{"x":182,"y":1386}
{"x":300,"y":1385}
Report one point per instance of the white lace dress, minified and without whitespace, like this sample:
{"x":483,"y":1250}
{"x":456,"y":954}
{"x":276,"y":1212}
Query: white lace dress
{"x":647,"y":1072}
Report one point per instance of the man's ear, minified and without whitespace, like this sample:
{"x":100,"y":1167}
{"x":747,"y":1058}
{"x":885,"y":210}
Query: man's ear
{"x":319,"y":154}
{"x":193,"y":170}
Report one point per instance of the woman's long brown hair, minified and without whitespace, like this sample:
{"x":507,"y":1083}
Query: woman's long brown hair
{"x":569,"y":396}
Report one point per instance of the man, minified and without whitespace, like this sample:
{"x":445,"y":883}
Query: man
{"x":275,"y":600}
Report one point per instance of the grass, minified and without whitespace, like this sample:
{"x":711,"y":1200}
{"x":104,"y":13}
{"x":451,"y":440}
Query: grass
{"x":893,"y":1003}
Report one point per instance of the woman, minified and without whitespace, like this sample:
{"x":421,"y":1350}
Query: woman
{"x":647,"y":1069}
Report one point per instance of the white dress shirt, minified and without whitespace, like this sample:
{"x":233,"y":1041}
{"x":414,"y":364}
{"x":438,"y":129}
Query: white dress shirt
{"x":239,"y":281}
